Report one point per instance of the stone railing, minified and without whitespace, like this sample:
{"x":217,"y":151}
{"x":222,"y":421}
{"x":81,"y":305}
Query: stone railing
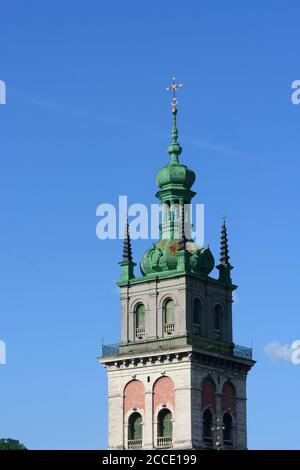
{"x":135,"y":444}
{"x":153,"y":345}
{"x":164,"y":442}
{"x":110,"y":349}
{"x":242,"y":351}
{"x":169,"y":328}
{"x":227,"y":443}
{"x":174,"y":342}
{"x":140,"y":332}
{"x":208,"y":441}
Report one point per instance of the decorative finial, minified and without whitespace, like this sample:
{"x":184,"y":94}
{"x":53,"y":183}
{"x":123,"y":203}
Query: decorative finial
{"x":127,"y":251}
{"x":224,"y":267}
{"x":174,"y":148}
{"x":127,"y":264}
{"x":173,"y":88}
{"x":224,"y":259}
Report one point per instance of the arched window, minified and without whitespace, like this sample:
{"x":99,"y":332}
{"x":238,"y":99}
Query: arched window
{"x":168,"y":314}
{"x":207,"y":427}
{"x":197,"y":315}
{"x":140,"y":320}
{"x":167,"y":211}
{"x":164,"y":429}
{"x":176,"y":210}
{"x":227,"y":430}
{"x":135,"y":435}
{"x":218,"y":316}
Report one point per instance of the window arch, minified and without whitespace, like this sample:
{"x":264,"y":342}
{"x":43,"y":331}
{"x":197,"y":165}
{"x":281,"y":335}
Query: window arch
{"x":207,"y":425}
{"x":227,"y":430}
{"x":197,"y":315}
{"x":163,"y":393}
{"x":164,"y":429}
{"x":135,"y":431}
{"x":176,"y":210}
{"x":228,"y":397}
{"x":208,"y":394}
{"x":133,"y":397}
{"x":218,"y":318}
{"x":167,"y":211}
{"x":168,"y":316}
{"x":140,"y":321}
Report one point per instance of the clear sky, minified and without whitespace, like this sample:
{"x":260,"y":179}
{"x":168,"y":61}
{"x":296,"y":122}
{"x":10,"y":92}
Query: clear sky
{"x":88,"y":119}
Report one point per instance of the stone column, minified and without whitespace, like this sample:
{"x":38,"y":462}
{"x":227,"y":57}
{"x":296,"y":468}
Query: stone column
{"x":196,"y":409}
{"x":148,"y":420}
{"x":241,"y":414}
{"x":115,"y":415}
{"x":219,"y":416}
{"x":182,"y":425}
{"x":151,"y":317}
{"x":241,"y":423}
{"x":180,"y":312}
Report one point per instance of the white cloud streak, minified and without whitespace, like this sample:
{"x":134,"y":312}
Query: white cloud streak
{"x":276,"y":351}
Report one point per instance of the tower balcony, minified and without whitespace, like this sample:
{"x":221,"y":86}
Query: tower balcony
{"x":134,"y":444}
{"x":171,"y":342}
{"x":140,"y":333}
{"x":169,"y":328}
{"x":164,"y":442}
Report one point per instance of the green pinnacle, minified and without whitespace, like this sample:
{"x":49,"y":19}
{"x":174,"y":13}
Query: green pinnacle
{"x":224,"y":267}
{"x":174,"y":148}
{"x":127,"y":264}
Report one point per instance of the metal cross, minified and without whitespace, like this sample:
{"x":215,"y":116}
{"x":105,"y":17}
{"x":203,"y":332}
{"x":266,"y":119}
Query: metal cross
{"x":173,"y":88}
{"x":224,"y":218}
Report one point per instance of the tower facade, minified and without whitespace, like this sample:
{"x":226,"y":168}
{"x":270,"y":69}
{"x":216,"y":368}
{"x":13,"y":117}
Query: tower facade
{"x":176,"y":379}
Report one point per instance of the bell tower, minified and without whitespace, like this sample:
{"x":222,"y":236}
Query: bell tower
{"x":176,"y":379}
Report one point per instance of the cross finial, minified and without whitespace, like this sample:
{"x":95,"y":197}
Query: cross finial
{"x":224,"y":219}
{"x":173,"y":88}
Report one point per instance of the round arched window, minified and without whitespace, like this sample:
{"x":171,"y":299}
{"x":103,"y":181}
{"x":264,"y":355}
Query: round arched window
{"x":140,"y":316}
{"x":227,"y":430}
{"x":207,"y":427}
{"x":218,"y":314}
{"x":197,"y":312}
{"x":168,"y":316}
{"x":135,"y":431}
{"x":140,"y":321}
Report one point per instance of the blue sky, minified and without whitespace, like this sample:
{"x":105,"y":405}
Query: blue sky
{"x":88,"y":119}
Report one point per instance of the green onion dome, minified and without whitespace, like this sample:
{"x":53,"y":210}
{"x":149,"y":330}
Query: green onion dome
{"x":176,"y":175}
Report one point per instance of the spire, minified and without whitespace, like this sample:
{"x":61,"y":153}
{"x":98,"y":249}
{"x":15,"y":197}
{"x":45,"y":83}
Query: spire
{"x":174,"y":148}
{"x":174,"y":180}
{"x":224,"y":267}
{"x":224,"y":259}
{"x":127,"y":251}
{"x":127,"y":264}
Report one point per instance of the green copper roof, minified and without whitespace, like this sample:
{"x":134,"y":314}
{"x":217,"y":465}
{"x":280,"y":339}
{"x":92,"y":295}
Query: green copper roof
{"x":176,"y":253}
{"x":165,"y":256}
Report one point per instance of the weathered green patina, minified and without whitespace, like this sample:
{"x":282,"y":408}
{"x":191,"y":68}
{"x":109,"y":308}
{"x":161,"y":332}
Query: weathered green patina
{"x":175,"y":253}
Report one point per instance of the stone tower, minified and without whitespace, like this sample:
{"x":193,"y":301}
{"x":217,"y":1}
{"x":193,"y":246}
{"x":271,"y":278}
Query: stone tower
{"x":176,"y":379}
